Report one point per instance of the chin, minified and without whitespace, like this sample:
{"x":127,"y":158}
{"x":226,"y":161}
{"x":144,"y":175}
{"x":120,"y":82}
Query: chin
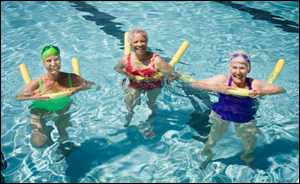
{"x":141,"y":52}
{"x":54,"y":72}
{"x":239,"y":81}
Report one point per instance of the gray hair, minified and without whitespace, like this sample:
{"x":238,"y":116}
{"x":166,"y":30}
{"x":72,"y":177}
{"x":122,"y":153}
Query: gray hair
{"x":135,"y":31}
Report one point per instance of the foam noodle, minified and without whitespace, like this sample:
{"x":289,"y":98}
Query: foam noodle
{"x":75,"y":65}
{"x":126,"y":44}
{"x":27,"y":79}
{"x":25,"y":73}
{"x":273,"y":76}
{"x":57,"y":94}
{"x":185,"y":44}
{"x":179,"y":53}
{"x":186,"y":78}
{"x":239,"y":92}
{"x":276,"y":71}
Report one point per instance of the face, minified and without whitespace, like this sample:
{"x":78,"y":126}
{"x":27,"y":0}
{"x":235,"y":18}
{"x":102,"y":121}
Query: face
{"x":239,"y":71}
{"x":139,"y":44}
{"x":52,"y":64}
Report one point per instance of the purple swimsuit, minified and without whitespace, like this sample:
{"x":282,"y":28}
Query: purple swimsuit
{"x":234,"y":108}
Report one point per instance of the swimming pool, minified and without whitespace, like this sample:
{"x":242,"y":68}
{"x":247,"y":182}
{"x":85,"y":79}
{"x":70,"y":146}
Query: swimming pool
{"x":107,"y":152}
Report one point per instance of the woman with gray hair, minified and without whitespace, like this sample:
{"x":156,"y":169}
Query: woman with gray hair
{"x":141,"y":67}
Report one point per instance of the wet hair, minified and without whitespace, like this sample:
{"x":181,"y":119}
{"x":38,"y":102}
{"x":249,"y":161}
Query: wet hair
{"x":135,"y":31}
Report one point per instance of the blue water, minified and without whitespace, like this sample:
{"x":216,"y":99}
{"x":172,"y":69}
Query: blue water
{"x":108,"y":152}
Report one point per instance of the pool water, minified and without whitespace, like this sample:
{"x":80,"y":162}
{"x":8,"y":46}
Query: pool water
{"x":101,"y":149}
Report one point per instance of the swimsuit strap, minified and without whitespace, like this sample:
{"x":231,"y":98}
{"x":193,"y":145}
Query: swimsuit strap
{"x":69,"y":80}
{"x":249,"y":81}
{"x":41,"y":85}
{"x":129,"y":65}
{"x":230,"y":81}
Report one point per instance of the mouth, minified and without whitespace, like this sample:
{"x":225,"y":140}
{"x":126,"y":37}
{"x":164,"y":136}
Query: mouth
{"x":239,"y":77}
{"x":140,"y":48}
{"x":54,"y":70}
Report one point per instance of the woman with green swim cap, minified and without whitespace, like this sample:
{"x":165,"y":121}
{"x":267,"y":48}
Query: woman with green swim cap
{"x":52,"y":82}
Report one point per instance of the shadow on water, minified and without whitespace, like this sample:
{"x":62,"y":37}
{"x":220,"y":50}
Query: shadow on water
{"x":262,"y":153}
{"x":97,"y":151}
{"x":202,"y":104}
{"x":102,"y":19}
{"x":278,"y":21}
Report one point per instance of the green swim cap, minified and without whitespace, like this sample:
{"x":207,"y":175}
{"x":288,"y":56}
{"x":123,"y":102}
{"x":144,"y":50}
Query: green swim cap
{"x":50,"y":50}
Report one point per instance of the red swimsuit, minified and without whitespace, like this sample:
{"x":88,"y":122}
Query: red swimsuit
{"x":150,"y":71}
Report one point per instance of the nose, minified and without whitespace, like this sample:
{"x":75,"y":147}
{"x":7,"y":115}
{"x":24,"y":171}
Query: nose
{"x":52,"y":62}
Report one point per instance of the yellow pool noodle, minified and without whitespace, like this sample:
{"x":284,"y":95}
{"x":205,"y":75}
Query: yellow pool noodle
{"x":186,"y":78}
{"x":75,"y":66}
{"x":58,"y":94}
{"x":126,"y":44}
{"x":25,"y":73}
{"x":179,"y":53}
{"x":185,"y":44}
{"x":239,"y":92}
{"x":27,"y":78}
{"x":276,"y":71}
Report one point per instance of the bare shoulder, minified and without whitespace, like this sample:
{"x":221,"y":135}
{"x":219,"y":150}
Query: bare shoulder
{"x":258,"y":83}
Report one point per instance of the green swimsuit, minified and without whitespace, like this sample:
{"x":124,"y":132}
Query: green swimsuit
{"x":52,"y":104}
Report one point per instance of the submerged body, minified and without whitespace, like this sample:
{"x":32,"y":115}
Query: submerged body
{"x":141,"y":67}
{"x":239,"y":110}
{"x":52,"y":82}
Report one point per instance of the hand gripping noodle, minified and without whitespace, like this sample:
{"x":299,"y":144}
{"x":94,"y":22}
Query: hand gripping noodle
{"x":27,"y":78}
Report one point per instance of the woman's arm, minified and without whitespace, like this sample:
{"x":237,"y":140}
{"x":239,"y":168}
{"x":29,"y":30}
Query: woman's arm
{"x":261,"y":88}
{"x":163,"y":66}
{"x":120,"y":67}
{"x":30,"y":92}
{"x":216,"y":83}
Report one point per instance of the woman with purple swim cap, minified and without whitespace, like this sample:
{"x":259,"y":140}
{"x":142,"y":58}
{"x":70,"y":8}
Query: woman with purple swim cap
{"x":236,"y":109}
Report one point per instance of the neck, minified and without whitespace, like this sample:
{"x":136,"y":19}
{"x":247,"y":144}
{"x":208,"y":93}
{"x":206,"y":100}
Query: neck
{"x":142,"y":57}
{"x":53,"y":77}
{"x":241,"y":84}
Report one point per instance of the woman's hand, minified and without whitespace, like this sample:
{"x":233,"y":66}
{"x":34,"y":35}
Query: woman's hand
{"x":254,"y":93}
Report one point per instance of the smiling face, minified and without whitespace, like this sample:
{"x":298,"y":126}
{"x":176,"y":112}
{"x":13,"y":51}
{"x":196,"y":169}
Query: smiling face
{"x":239,"y":69}
{"x":52,"y":64}
{"x":139,"y":43}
